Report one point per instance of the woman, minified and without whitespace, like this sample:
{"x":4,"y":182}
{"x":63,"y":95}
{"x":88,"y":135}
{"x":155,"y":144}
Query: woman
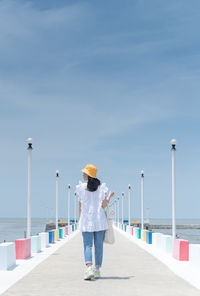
{"x":93,"y":200}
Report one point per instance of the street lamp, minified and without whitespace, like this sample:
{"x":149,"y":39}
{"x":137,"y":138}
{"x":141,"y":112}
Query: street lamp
{"x":75,"y":202}
{"x":129,"y":205}
{"x":142,"y":199}
{"x":30,"y":148}
{"x":118,"y":211}
{"x":122,"y":207}
{"x":68,"y":216}
{"x":173,"y":149}
{"x":57,"y":177}
{"x":115,"y":211}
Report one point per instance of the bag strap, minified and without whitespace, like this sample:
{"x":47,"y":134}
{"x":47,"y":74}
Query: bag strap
{"x":107,"y":211}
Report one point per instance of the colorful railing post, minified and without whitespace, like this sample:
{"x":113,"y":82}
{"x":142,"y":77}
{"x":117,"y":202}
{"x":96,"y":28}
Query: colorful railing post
{"x":23,"y":248}
{"x":149,"y":237}
{"x":181,"y":249}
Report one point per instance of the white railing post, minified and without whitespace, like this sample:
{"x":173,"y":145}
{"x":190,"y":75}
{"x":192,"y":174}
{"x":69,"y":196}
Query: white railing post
{"x":68,"y":215}
{"x":57,"y":177}
{"x":173,"y":149}
{"x":142,"y":199}
{"x":129,"y":205}
{"x":30,"y":148}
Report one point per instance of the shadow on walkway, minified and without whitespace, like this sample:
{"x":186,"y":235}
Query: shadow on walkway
{"x":116,"y":277}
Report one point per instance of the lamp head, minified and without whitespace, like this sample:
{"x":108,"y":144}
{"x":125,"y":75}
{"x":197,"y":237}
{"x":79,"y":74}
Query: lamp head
{"x":30,"y":141}
{"x":57,"y":173}
{"x":129,"y":186}
{"x":69,"y":186}
{"x":173,"y":142}
{"x":142,"y":173}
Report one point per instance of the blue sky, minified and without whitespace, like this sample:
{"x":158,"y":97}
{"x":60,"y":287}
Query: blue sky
{"x":102,"y":82}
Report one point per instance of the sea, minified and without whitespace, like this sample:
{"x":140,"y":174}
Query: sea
{"x":15,"y":228}
{"x":192,"y":235}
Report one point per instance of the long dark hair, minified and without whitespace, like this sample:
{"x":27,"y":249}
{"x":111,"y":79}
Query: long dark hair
{"x":93,"y":184}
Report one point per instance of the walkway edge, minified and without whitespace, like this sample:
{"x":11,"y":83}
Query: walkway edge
{"x":181,"y":268}
{"x":23,"y":267}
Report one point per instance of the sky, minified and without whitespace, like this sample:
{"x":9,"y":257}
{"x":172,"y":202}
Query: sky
{"x":102,"y":82}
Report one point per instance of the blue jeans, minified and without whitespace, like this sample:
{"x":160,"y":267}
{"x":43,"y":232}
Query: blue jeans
{"x":98,"y":237}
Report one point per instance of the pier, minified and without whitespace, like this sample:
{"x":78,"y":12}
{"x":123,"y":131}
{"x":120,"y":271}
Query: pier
{"x":154,"y":226}
{"x":127,"y":269}
{"x":51,"y":225}
{"x":99,"y":134}
{"x":142,"y":260}
{"x":165,"y":226}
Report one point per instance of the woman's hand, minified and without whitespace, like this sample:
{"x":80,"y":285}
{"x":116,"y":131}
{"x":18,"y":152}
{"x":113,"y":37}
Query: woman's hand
{"x":104,"y":203}
{"x":111,"y":193}
{"x":107,"y":199}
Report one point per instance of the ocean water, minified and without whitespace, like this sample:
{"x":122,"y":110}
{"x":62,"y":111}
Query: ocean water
{"x":193,"y":235}
{"x":13,"y":228}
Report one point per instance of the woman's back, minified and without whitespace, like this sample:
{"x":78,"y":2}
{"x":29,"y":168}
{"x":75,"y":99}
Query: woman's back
{"x":93,"y":216}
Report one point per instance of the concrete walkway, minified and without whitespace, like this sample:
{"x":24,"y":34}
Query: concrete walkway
{"x":127,"y":270}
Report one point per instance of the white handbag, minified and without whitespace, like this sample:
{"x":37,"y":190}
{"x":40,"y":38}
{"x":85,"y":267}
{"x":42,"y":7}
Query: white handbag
{"x":109,"y":237}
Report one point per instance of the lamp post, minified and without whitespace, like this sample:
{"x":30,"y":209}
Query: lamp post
{"x":142,"y":199}
{"x":173,"y":149}
{"x":118,"y":210}
{"x":30,"y":148}
{"x":122,"y":207}
{"x":129,"y":205}
{"x":75,"y":203}
{"x":68,"y":215}
{"x":57,"y":177}
{"x":115,"y":211}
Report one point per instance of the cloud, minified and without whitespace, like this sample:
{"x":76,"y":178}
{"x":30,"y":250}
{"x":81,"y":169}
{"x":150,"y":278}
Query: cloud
{"x":60,"y":76}
{"x":95,"y":82}
{"x":32,"y":38}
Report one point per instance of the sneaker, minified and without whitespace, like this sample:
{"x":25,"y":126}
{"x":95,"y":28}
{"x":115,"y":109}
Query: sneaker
{"x":97,"y":273}
{"x":89,"y":274}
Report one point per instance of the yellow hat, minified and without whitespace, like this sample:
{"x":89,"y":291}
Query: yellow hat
{"x":90,"y":170}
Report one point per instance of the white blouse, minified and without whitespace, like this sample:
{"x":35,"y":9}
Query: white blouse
{"x":93,"y":217}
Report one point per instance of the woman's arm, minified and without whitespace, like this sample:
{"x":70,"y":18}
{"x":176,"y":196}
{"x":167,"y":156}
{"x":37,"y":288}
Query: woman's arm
{"x":105,"y":202}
